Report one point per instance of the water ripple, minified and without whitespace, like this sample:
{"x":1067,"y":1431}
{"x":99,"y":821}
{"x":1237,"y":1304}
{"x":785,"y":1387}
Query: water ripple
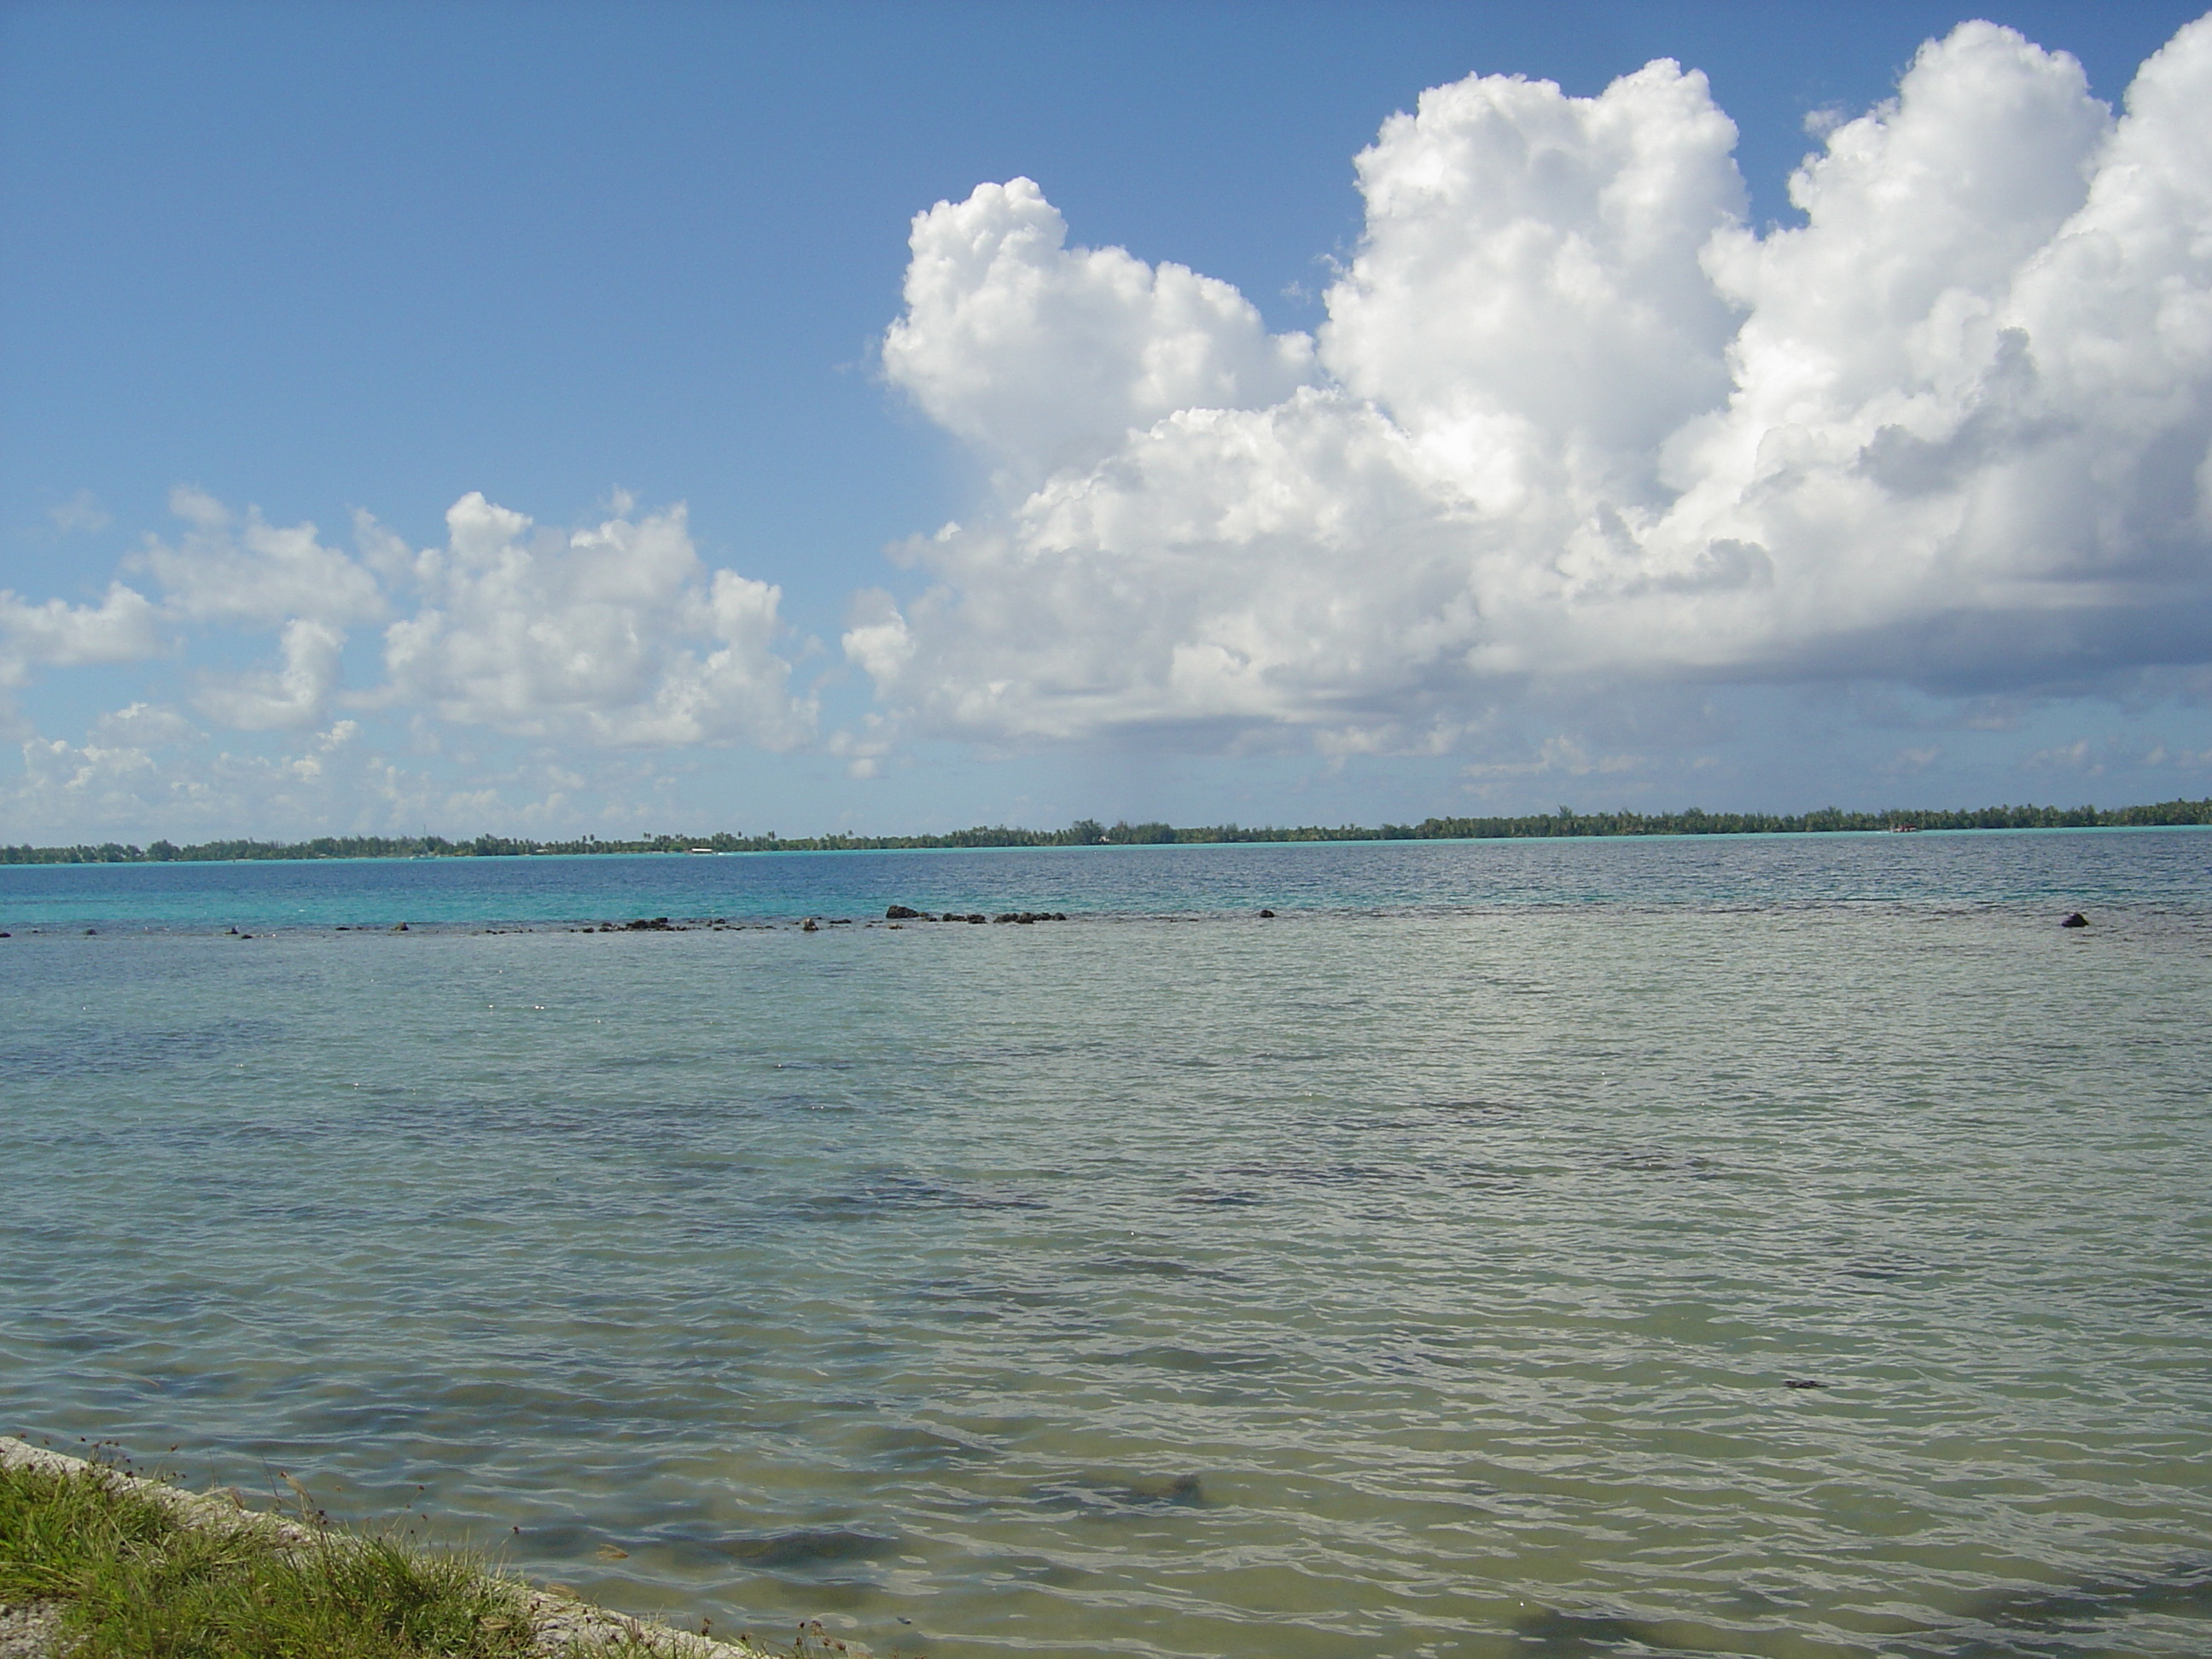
{"x":1432,"y":1283}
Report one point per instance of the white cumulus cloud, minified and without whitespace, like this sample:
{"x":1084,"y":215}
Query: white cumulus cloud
{"x":616,"y":635}
{"x":254,"y":573}
{"x":121,"y":628}
{"x":1044,"y":356}
{"x":297,"y":694}
{"x":1570,"y":420}
{"x":531,"y":674}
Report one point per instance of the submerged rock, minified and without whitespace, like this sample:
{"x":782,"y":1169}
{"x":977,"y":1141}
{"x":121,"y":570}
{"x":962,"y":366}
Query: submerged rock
{"x":900,"y":913}
{"x":1145,"y":1492}
{"x":1267,"y":912}
{"x":805,"y":1546}
{"x":2077,"y":920}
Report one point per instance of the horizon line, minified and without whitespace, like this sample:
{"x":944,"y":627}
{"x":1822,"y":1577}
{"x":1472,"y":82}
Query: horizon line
{"x":1564,"y":824}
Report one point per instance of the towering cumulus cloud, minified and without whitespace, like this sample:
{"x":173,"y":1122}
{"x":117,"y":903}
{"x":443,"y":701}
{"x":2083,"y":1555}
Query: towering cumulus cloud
{"x":1044,"y":358}
{"x":1569,"y":419}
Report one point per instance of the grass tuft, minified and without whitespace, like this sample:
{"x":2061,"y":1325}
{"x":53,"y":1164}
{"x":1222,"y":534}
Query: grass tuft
{"x":135,"y":1582}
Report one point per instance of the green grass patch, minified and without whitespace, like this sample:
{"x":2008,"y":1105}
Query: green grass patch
{"x":135,"y":1581}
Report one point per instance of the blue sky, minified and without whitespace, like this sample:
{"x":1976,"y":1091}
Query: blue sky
{"x":590,"y":262}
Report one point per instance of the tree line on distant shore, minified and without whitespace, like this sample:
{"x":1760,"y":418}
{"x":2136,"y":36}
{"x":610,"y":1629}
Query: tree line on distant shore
{"x":1089,"y":832}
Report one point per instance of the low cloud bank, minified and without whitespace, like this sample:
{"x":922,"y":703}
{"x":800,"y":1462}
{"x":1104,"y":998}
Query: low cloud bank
{"x":616,"y":635}
{"x":1571,"y":424}
{"x":614,"y":638}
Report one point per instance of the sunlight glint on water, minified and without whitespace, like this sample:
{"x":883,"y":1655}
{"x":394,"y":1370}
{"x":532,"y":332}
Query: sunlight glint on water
{"x":1346,"y":1284}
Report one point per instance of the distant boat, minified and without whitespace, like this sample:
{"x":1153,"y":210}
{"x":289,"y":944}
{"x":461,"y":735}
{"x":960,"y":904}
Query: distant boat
{"x":708,"y":851}
{"x":1904,"y":829}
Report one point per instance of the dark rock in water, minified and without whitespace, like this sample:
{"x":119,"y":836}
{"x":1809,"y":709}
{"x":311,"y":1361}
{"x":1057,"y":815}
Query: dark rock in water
{"x":1145,"y":1492}
{"x":1010,"y":915}
{"x":1182,"y":1490}
{"x":401,"y":928}
{"x":900,"y":913}
{"x":648,"y":925}
{"x":2185,"y":1591}
{"x":1060,"y":916}
{"x":979,"y":916}
{"x":810,"y":925}
{"x":1267,"y":912}
{"x":1549,"y":1630}
{"x":2077,"y":920}
{"x":806,"y":1546}
{"x":91,"y":932}
{"x":1802,"y":1383}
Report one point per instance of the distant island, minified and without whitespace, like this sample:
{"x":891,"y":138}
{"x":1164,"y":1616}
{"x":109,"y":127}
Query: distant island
{"x":1089,"y":832}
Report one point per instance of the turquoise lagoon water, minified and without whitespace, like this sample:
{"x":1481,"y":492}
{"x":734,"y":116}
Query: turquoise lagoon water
{"x":1421,"y":1271}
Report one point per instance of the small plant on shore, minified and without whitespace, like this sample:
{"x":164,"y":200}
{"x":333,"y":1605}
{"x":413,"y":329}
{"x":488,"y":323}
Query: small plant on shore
{"x":135,"y":1582}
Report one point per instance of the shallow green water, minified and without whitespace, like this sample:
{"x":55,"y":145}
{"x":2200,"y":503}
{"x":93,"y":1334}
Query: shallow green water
{"x":1346,"y":1284}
